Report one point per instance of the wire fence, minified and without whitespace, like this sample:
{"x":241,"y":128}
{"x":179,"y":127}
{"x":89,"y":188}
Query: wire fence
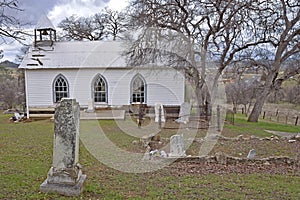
{"x":281,"y":117}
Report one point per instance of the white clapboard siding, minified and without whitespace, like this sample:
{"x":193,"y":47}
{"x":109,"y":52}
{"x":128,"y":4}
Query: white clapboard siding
{"x":163,"y":86}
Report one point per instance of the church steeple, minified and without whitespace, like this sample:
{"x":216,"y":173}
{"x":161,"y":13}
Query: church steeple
{"x":44,"y":32}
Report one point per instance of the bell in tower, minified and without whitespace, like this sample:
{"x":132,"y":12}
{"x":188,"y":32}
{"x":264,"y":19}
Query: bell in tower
{"x":44,"y":33}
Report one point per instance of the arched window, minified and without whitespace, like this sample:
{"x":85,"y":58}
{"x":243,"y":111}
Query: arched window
{"x":99,"y":87}
{"x":138,"y":89}
{"x":60,"y":88}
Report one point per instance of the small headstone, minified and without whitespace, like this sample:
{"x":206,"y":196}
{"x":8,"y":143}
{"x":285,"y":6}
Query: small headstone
{"x":184,"y":113}
{"x":65,"y":176}
{"x":159,"y":106}
{"x":177,"y":146}
{"x":91,"y":107}
{"x":251,"y":154}
{"x":163,"y":154}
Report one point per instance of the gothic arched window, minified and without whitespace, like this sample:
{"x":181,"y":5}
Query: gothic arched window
{"x":138,"y":89}
{"x":99,"y":88}
{"x":60,"y":88}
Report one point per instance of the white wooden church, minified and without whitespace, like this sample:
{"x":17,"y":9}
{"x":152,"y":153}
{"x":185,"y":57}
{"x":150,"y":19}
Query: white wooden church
{"x":92,"y":70}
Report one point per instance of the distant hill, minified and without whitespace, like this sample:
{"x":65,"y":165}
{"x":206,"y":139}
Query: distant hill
{"x":8,"y":64}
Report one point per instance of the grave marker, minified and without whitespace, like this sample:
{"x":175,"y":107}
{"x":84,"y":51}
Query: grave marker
{"x":184,"y":113}
{"x":251,"y":154}
{"x":177,"y":146}
{"x":65,"y":176}
{"x":91,"y":106}
{"x":159,"y":113}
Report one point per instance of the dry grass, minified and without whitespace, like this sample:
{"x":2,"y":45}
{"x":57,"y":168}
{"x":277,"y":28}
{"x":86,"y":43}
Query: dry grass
{"x":26,"y":156}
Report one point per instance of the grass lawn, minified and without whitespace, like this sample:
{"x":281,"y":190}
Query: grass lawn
{"x":26,"y":157}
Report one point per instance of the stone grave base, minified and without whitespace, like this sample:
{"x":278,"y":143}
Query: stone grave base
{"x":64,"y":189}
{"x":172,"y":155}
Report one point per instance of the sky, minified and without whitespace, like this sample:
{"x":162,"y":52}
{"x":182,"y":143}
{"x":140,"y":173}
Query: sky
{"x":56,"y":10}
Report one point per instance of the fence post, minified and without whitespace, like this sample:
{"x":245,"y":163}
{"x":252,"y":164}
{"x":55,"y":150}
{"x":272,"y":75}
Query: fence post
{"x":264,"y":114}
{"x":159,"y":117}
{"x":296,"y":122}
{"x":140,"y":116}
{"x":218,"y":118}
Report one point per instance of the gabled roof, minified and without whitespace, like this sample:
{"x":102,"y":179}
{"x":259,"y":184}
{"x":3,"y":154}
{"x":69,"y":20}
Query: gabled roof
{"x":77,"y":54}
{"x":44,"y":23}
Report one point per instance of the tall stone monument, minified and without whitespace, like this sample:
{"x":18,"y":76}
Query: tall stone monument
{"x":65,"y":176}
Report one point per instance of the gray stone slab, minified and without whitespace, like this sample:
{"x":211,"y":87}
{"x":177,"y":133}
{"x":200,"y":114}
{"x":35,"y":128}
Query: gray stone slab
{"x":66,"y":134}
{"x":184,"y":113}
{"x":64,"y":189}
{"x":251,"y":154}
{"x":156,"y":109}
{"x":177,"y":146}
{"x":91,"y":106}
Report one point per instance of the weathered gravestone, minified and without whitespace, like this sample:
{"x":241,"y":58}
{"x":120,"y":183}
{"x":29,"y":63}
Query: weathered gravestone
{"x":91,"y":107}
{"x":184,"y":113}
{"x":65,"y":176}
{"x":177,"y":146}
{"x":159,"y":112}
{"x":251,"y":154}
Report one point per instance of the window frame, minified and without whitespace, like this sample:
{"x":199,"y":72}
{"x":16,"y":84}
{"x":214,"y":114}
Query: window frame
{"x":138,"y":76}
{"x":96,"y":78}
{"x":54,"y":93}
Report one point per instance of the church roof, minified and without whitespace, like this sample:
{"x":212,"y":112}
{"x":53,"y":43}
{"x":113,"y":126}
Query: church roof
{"x":76,"y":54}
{"x":44,"y":23}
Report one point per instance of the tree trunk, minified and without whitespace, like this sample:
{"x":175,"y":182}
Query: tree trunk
{"x":257,"y":108}
{"x":199,"y":97}
{"x":245,"y":110}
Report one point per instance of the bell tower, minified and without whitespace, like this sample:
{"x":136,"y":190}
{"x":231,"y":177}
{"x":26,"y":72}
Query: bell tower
{"x":44,"y":32}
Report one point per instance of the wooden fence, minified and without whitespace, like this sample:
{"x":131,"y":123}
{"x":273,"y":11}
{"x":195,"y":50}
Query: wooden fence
{"x":281,"y":117}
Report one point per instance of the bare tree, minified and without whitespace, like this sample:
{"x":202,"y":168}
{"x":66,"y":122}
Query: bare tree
{"x":9,"y":24}
{"x":81,"y":28}
{"x":204,"y":30}
{"x":291,"y":90}
{"x":11,"y":83}
{"x":19,"y":57}
{"x":114,"y":22}
{"x":12,"y":88}
{"x":106,"y":24}
{"x":293,"y":94}
{"x":242,"y":92}
{"x":280,"y":21}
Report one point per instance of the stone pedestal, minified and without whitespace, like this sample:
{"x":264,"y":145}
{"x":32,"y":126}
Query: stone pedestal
{"x":65,"y":176}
